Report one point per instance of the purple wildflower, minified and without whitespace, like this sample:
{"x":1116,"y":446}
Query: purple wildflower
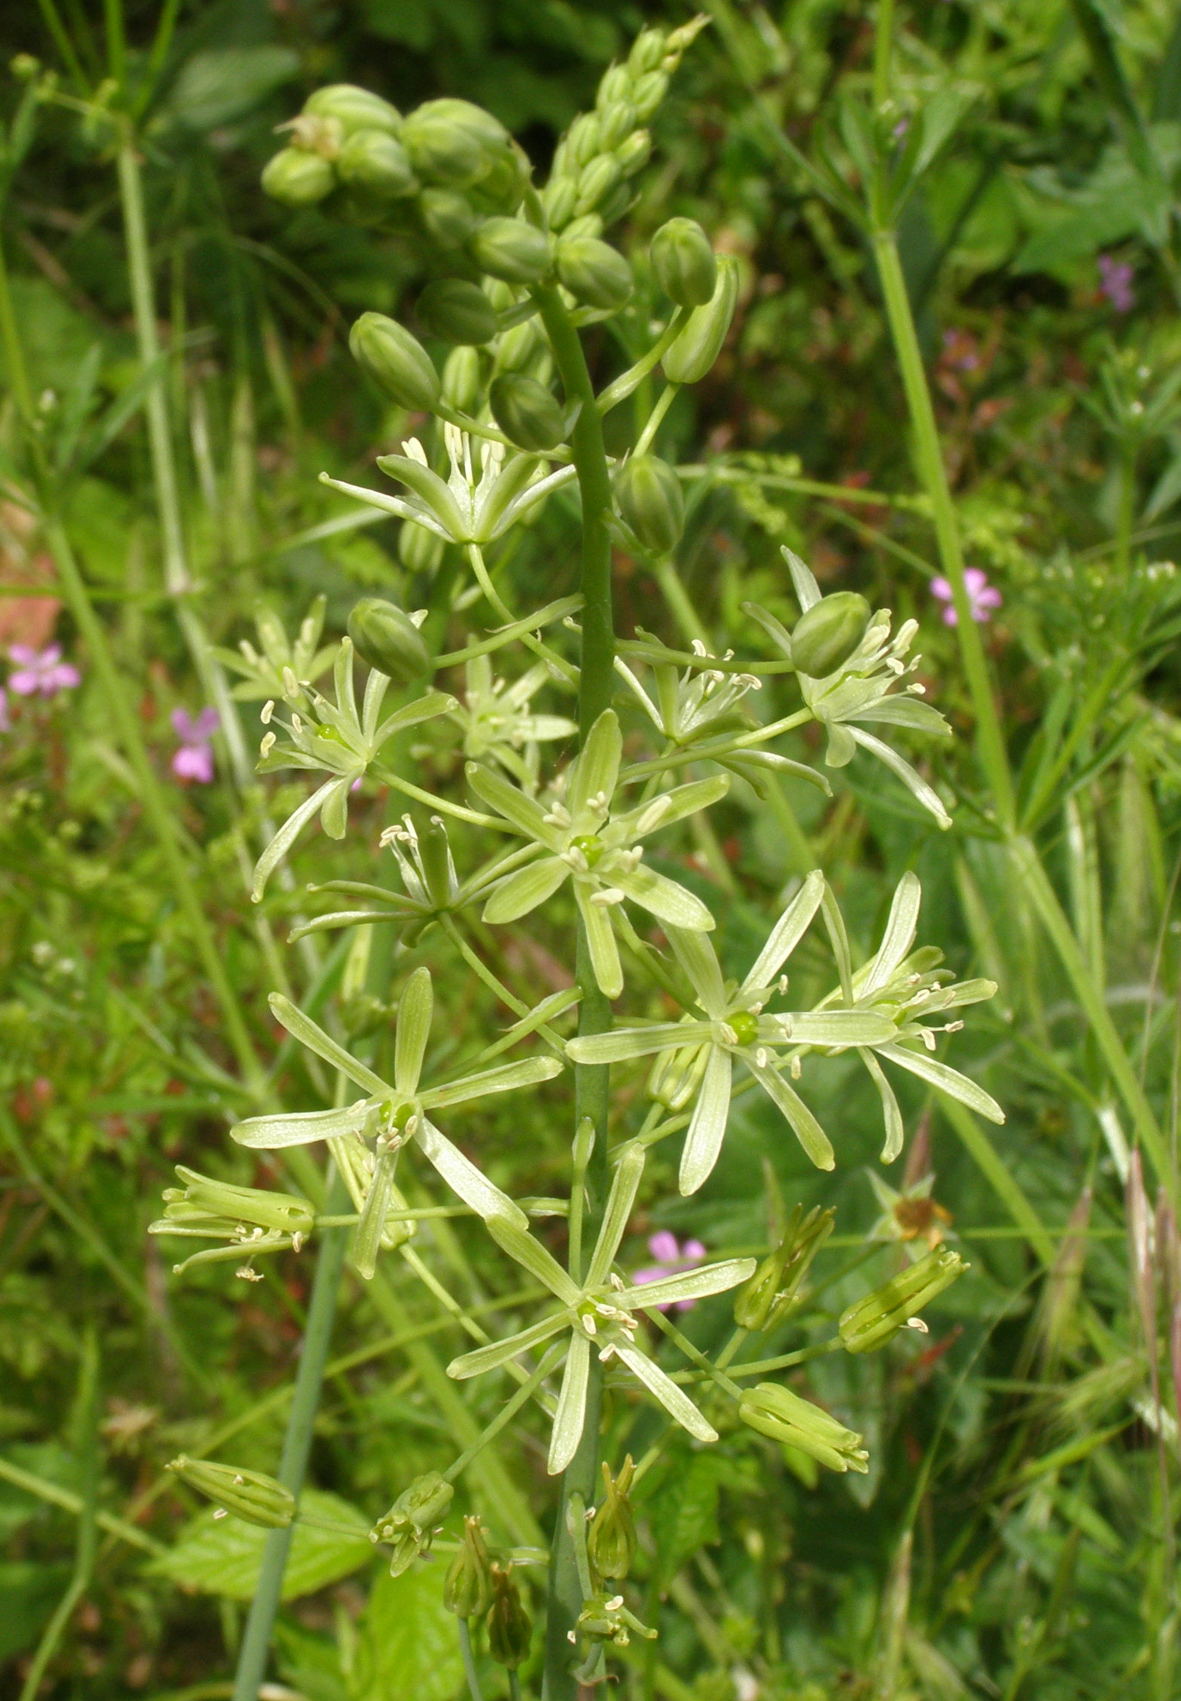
{"x":41,"y":671}
{"x":1115,"y":282}
{"x":194,"y":759}
{"x":981,"y":596}
{"x":672,"y":1258}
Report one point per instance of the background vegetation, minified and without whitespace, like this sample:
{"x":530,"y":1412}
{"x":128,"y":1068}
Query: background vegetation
{"x":1015,"y":1534}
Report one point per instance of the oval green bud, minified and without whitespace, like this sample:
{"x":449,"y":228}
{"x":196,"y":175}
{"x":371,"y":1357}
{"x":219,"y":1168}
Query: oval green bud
{"x":355,"y":108}
{"x":398,"y":361}
{"x":583,"y":140}
{"x":647,"y":93}
{"x":648,"y":493}
{"x":249,"y":1495}
{"x":683,"y":263}
{"x":456,"y":311}
{"x":298,"y":178}
{"x":616,"y":123}
{"x":587,"y":224}
{"x":526,"y":412}
{"x":453,"y":142}
{"x":596,"y":181}
{"x":374,"y":161}
{"x":558,"y":199}
{"x":511,"y":249}
{"x":647,"y":52}
{"x":419,"y":549}
{"x":615,"y":84}
{"x":501,"y":189}
{"x":824,"y":638}
{"x":463,"y":379}
{"x":467,"y":1588}
{"x":387,"y":639}
{"x":596,"y":274}
{"x":516,"y":347}
{"x":447,"y":216}
{"x":509,"y":1629}
{"x":699,"y":341}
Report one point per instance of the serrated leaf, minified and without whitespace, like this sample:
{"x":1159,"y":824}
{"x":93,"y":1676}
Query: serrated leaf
{"x":222,"y":1556}
{"x":684,"y":1514}
{"x":408,"y":1643}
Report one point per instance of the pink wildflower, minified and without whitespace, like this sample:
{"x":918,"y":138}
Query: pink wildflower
{"x":981,"y":596}
{"x":194,"y":759}
{"x":672,"y":1257}
{"x":41,"y":671}
{"x":1115,"y":282}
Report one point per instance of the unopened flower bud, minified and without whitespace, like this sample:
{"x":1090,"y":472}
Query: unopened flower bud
{"x":683,"y":263}
{"x":509,"y":1629}
{"x":386,"y":638}
{"x":511,"y":249}
{"x":785,"y":1417}
{"x":463,"y":379}
{"x":616,"y":123}
{"x":772,"y":1292}
{"x":397,"y":360}
{"x":699,"y":341}
{"x":558,"y":200}
{"x":647,"y":52}
{"x":249,"y":1495}
{"x":453,"y":142}
{"x":355,"y":109}
{"x":376,"y":162}
{"x":651,"y":502}
{"x":448,"y":216}
{"x":632,"y":154}
{"x":596,"y":181}
{"x":298,"y":178}
{"x":611,"y":1538}
{"x":824,"y":637}
{"x":586,"y":224}
{"x":526,"y":412}
{"x":467,"y":1589}
{"x":870,"y":1322}
{"x":596,"y":274}
{"x":615,"y":84}
{"x":457,"y":311}
{"x":583,"y":139}
{"x":419,"y":549}
{"x":516,"y":347}
{"x":647,"y":93}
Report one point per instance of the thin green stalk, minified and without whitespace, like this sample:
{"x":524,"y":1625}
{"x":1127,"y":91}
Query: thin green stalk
{"x":595,"y":691}
{"x":297,"y":1441}
{"x":54,"y":1495}
{"x":469,"y":1660}
{"x":883,"y":38}
{"x":989,"y":738}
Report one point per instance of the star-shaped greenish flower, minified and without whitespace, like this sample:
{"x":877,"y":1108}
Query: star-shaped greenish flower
{"x":908,"y":988}
{"x":869,"y":687}
{"x":340,"y":738}
{"x":500,"y":724}
{"x":467,"y":506}
{"x":396,"y":1113}
{"x":584,"y":842}
{"x":601,"y":1315}
{"x":736,"y":1026}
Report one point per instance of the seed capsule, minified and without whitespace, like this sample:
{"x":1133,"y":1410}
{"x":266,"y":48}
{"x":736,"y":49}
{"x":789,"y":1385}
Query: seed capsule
{"x":526,"y":412}
{"x":699,"y":342}
{"x":298,"y":178}
{"x":397,"y":360}
{"x":826,"y":636}
{"x":683,"y":263}
{"x":509,"y":1629}
{"x":467,"y":1590}
{"x":650,"y":501}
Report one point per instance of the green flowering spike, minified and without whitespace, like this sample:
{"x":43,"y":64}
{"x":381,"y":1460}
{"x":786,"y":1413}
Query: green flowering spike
{"x":869,"y":1323}
{"x":467,"y":1589}
{"x":684,"y":263}
{"x":648,"y":494}
{"x":512,"y":250}
{"x":596,"y":274}
{"x":398,"y":361}
{"x":373,"y":161}
{"x":509,"y":1629}
{"x":249,"y":1495}
{"x":526,"y":412}
{"x":354,"y":109}
{"x":456,"y":311}
{"x":826,"y":635}
{"x":298,"y":178}
{"x":699,"y":341}
{"x":387,"y":638}
{"x":785,"y":1417}
{"x":611,"y":1537}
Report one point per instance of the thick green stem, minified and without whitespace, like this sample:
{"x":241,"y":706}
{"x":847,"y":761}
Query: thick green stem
{"x":595,"y":691}
{"x":256,"y":1642}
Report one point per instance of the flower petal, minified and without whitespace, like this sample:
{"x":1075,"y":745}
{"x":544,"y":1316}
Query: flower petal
{"x":624,"y":1186}
{"x":520,"y":811}
{"x":531,"y":1255}
{"x":898,"y":936}
{"x":601,"y":946}
{"x":891,"y":1115}
{"x":909,"y":777}
{"x":285,"y":837}
{"x":309,"y":1033}
{"x":707,"y":1128}
{"x":570,"y":1416}
{"x":794,"y":1111}
{"x":300,"y":1128}
{"x":464,"y":1179}
{"x":525,"y":890}
{"x":787,"y":932}
{"x":497,"y":1353}
{"x":946,"y":1079}
{"x":525,"y":1072}
{"x":622,"y":1044}
{"x":691,"y":1284}
{"x":415,"y":1009}
{"x":596,"y":769}
{"x":834,"y":1028}
{"x":676,"y":1403}
{"x":699,"y":960}
{"x":668,"y":901}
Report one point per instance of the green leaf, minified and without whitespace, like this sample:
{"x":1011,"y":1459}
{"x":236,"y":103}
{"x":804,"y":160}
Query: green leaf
{"x":408,"y":1643}
{"x":683,"y":1515}
{"x":225,"y":83}
{"x":222,"y":1556}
